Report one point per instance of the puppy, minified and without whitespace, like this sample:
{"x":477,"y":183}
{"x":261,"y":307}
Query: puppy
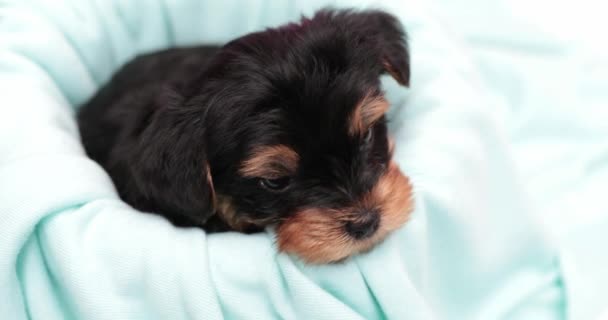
{"x":283,"y":127}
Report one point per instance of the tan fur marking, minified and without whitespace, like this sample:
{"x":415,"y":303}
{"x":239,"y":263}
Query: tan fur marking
{"x":317,"y":235}
{"x":238,"y":221}
{"x":210,"y":184}
{"x":368,"y":111}
{"x":270,"y":162}
{"x":226,"y":211}
{"x":391,"y":146}
{"x":393,"y":194}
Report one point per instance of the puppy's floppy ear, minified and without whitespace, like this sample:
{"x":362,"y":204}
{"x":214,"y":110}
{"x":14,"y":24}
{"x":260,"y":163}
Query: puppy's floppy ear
{"x":384,"y":33}
{"x":169,"y":164}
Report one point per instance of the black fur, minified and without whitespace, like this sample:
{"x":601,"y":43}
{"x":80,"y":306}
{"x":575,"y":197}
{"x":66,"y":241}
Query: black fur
{"x":165,"y":116}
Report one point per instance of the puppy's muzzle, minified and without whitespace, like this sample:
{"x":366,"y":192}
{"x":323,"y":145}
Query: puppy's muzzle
{"x":364,"y":226}
{"x":323,"y":235}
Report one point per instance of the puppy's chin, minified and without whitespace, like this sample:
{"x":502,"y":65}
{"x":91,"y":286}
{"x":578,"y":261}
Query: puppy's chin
{"x":320,"y":235}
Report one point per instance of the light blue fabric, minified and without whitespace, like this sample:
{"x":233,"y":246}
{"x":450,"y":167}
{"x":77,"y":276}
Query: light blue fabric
{"x":546,"y":61}
{"x":474,"y":249}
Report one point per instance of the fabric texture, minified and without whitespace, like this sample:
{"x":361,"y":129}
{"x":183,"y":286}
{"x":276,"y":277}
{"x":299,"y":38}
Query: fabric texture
{"x":478,"y":245}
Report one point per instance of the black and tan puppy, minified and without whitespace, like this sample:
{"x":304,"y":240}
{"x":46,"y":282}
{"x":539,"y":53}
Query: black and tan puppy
{"x":283,"y":127}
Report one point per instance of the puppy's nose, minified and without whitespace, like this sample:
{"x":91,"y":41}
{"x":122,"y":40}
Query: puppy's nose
{"x":364,"y":226}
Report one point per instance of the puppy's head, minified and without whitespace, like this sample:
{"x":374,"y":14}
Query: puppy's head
{"x":296,"y":136}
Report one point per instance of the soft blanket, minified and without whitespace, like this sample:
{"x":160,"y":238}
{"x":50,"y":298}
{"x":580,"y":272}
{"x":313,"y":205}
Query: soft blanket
{"x":474,"y":249}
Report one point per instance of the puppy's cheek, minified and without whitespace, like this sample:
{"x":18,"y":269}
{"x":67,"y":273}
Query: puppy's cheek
{"x":393,"y":195}
{"x":316,"y":236}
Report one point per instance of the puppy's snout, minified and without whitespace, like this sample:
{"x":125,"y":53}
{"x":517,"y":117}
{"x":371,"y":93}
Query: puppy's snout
{"x":363,"y":226}
{"x":323,"y":235}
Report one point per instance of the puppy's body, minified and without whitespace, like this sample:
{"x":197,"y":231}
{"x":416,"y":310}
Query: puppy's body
{"x":284,"y":126}
{"x":113,"y":121}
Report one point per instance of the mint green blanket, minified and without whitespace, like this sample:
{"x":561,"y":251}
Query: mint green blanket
{"x":474,"y":249}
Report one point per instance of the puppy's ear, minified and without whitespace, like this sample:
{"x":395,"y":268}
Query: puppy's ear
{"x":383,"y":32}
{"x":169,"y":164}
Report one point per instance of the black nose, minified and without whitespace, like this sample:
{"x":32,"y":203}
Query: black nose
{"x":364,"y":226}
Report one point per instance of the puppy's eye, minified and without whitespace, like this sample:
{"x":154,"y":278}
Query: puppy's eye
{"x":369,"y":135}
{"x":278,"y":184}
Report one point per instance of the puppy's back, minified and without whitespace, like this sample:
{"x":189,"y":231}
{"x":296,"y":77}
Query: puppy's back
{"x":112,"y":120}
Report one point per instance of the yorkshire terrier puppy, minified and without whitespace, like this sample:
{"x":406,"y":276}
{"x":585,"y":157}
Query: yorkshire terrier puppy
{"x":283,"y":127}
